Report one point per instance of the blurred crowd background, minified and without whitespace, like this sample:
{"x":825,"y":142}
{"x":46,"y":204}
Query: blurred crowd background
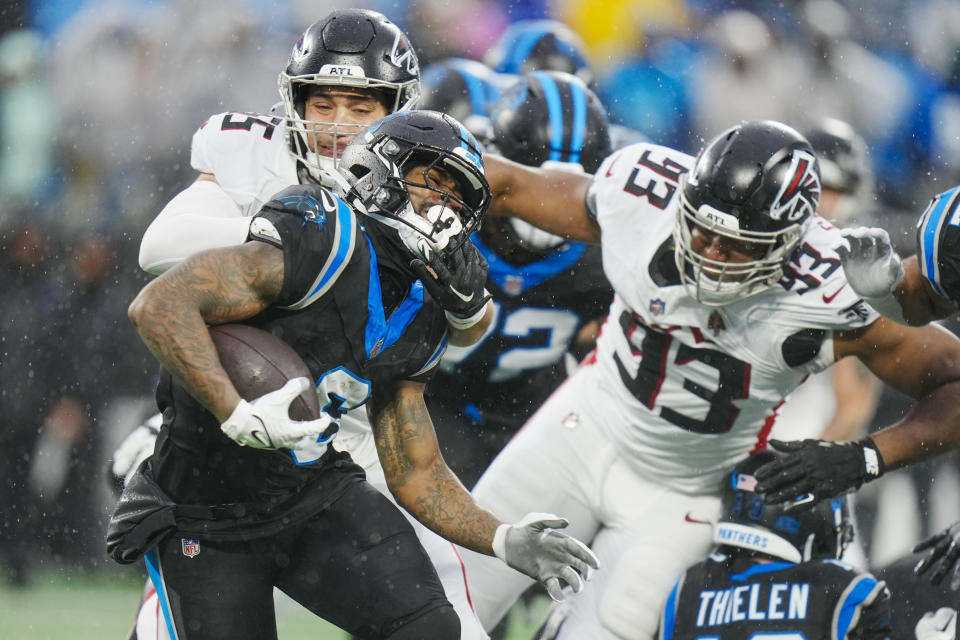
{"x":99,"y":99}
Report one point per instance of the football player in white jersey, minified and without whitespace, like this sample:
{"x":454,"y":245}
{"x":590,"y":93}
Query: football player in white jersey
{"x":347,"y":71}
{"x":728,"y":292}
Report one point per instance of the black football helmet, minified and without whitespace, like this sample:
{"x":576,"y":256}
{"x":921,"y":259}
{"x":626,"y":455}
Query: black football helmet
{"x":539,"y":45}
{"x":549,"y":117}
{"x":844,"y":168}
{"x":757,"y":183}
{"x":375,"y":165}
{"x":781,"y":530}
{"x":465,"y":89}
{"x":349,"y":48}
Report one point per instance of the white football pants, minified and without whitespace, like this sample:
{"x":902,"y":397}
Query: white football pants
{"x":644,"y":534}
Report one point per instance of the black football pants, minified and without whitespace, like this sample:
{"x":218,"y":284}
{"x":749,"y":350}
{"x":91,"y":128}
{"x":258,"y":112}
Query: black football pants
{"x":358,"y":565}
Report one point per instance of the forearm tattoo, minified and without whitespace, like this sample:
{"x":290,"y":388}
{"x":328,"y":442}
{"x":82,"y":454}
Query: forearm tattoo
{"x":421,"y":480}
{"x":214,"y":287}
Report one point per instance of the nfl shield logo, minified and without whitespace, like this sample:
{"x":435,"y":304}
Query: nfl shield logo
{"x":513,"y":285}
{"x":657,"y":306}
{"x":191,"y":548}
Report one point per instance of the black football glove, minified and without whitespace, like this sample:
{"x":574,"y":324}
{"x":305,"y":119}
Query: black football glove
{"x":944,"y":554}
{"x":456,"y":279}
{"x":823,"y":469}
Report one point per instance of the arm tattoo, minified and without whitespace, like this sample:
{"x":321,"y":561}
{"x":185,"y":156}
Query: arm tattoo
{"x":213,"y":287}
{"x":421,"y":480}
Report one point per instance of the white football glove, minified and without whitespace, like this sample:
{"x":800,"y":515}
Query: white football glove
{"x":265,"y":423}
{"x":873,"y":268}
{"x":941,"y":625}
{"x":532,"y":547}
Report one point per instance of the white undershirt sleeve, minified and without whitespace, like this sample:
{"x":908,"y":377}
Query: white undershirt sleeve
{"x":200,"y":217}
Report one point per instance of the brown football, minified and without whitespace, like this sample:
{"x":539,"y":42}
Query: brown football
{"x":259,"y":362}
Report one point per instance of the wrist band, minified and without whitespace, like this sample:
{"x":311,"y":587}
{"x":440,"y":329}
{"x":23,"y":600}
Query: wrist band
{"x":465,"y":323}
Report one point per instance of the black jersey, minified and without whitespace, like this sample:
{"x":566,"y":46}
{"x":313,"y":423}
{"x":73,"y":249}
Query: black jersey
{"x":540,"y":307}
{"x":355,"y":323}
{"x":724,"y":599}
{"x":914,"y":596}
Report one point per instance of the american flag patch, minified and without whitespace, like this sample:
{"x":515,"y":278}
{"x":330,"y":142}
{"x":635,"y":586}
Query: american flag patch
{"x":744,"y":482}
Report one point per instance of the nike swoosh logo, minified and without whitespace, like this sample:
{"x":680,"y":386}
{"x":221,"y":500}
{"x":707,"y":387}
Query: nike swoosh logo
{"x":461,"y":296}
{"x":828,"y":299}
{"x":695,"y":520}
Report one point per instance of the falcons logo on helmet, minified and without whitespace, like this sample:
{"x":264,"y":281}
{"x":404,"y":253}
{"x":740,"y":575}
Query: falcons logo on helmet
{"x":800,"y":192}
{"x":402,"y":55}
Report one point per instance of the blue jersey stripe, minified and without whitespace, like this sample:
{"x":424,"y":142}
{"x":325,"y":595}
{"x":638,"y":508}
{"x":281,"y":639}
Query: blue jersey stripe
{"x":152,"y":560}
{"x":851,"y":604}
{"x":555,"y":112}
{"x":529,"y":275}
{"x":338,"y":260}
{"x":381,"y":332}
{"x":579,"y":122}
{"x":669,"y":614}
{"x":930,"y":236}
{"x":765,"y":567}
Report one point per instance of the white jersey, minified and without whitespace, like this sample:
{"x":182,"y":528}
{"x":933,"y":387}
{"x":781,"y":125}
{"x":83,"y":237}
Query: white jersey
{"x":689,"y":390}
{"x":249,"y":156}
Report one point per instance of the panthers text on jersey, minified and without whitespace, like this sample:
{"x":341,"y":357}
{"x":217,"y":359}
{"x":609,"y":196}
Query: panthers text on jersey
{"x":724,"y":599}
{"x":688,"y":390}
{"x":354,"y":323}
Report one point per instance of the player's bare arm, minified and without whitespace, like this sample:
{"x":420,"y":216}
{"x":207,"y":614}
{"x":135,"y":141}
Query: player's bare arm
{"x":416,"y":473}
{"x":923,"y":362}
{"x":547,"y":198}
{"x":214,"y":287}
{"x":920,"y":303}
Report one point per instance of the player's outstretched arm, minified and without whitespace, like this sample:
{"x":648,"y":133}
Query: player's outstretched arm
{"x":923,"y":362}
{"x":423,"y":484}
{"x":551,"y":199}
{"x":172,"y":312}
{"x":894,"y":287}
{"x":200,"y":217}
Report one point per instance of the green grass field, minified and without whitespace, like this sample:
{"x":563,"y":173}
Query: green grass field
{"x":101,"y":606}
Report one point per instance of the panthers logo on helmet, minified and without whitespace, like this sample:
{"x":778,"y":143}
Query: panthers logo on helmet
{"x":800,"y":193}
{"x":402,"y":55}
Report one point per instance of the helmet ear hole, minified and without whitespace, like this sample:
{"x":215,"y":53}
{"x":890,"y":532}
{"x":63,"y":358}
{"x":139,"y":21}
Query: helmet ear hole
{"x":359,"y":171}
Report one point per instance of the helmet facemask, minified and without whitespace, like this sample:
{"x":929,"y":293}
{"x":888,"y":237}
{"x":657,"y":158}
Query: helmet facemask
{"x":716,"y":283}
{"x":446,"y":219}
{"x":760,"y":197}
{"x":307,"y":136}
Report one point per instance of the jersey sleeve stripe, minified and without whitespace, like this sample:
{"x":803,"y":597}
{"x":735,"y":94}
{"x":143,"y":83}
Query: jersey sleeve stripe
{"x":435,"y":357}
{"x":931,"y":225}
{"x":863,"y":591}
{"x":344,"y":240}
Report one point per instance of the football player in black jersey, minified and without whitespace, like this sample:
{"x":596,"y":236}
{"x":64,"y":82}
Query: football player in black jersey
{"x":239,"y":498}
{"x":776,"y":573}
{"x":548,"y":293}
{"x":916,"y":290}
